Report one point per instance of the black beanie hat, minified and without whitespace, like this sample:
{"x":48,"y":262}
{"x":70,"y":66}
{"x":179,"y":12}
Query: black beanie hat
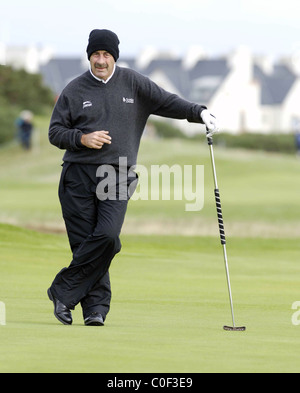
{"x":103,"y":40}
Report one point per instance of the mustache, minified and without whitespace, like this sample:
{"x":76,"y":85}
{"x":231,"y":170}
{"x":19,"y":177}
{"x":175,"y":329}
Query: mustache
{"x":101,"y":66}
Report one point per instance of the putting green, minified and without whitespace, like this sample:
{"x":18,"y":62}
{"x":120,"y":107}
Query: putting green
{"x":169,"y":305}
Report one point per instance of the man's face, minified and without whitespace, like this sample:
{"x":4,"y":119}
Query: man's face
{"x":102,"y":64}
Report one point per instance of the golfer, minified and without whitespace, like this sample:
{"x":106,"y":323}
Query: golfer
{"x":98,"y":119}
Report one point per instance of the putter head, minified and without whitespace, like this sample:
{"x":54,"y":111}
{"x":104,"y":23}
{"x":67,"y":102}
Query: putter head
{"x":234,"y":329}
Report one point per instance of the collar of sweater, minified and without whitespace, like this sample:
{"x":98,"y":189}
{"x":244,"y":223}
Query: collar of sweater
{"x":102,"y":80}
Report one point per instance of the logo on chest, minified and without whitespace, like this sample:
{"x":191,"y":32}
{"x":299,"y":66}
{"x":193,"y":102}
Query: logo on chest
{"x":128,"y":100}
{"x":86,"y":104}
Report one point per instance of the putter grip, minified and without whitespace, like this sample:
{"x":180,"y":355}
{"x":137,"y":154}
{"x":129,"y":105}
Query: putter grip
{"x":209,"y":138}
{"x":220,"y":217}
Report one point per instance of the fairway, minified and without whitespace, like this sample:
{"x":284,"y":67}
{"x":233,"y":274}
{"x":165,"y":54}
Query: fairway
{"x":259,"y":193}
{"x":170,"y":298}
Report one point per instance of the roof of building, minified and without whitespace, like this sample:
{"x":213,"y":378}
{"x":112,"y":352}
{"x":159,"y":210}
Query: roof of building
{"x":274,"y":86}
{"x":197,"y":84}
{"x":58,"y":72}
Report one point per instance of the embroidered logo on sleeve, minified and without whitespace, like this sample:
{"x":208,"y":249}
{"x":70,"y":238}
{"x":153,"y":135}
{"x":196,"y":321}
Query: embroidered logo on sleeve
{"x":87,"y":104}
{"x":128,"y":100}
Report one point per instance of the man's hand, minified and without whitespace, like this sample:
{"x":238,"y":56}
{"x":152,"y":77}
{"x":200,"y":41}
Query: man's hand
{"x":210,"y":121}
{"x":96,"y":140}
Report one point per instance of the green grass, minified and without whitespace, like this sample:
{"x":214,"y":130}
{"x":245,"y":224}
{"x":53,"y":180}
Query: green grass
{"x":170,"y":297}
{"x":169,"y":305}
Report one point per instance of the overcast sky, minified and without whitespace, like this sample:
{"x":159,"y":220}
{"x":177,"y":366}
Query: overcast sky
{"x":270,"y":27}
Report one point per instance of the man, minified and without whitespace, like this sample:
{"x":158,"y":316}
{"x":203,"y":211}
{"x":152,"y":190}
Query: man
{"x":25,"y":128}
{"x":98,"y":119}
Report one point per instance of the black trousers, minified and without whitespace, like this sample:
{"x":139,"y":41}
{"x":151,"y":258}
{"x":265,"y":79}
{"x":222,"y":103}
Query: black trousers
{"x":93,"y":228}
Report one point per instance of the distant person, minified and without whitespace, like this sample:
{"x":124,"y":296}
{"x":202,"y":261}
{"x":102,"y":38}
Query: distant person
{"x":98,"y":119}
{"x":25,"y":128}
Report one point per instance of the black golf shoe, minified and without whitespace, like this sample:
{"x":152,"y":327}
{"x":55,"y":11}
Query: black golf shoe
{"x":61,"y":312}
{"x":95,"y":319}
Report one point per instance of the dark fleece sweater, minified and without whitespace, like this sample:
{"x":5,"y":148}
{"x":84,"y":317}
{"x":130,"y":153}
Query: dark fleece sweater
{"x":122,"y":107}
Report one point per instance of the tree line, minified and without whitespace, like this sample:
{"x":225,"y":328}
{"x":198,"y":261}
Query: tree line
{"x":20,"y":91}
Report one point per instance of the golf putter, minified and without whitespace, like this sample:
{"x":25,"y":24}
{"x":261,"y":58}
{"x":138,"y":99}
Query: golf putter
{"x":222,"y":234}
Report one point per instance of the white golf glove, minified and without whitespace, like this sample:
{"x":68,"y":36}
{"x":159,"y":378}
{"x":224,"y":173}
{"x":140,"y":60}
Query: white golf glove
{"x":210,"y":121}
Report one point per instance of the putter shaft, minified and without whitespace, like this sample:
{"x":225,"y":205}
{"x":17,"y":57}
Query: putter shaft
{"x":222,"y":233}
{"x":228,"y":283}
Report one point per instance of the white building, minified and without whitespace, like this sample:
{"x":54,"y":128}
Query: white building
{"x":29,"y":58}
{"x":245,"y":93}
